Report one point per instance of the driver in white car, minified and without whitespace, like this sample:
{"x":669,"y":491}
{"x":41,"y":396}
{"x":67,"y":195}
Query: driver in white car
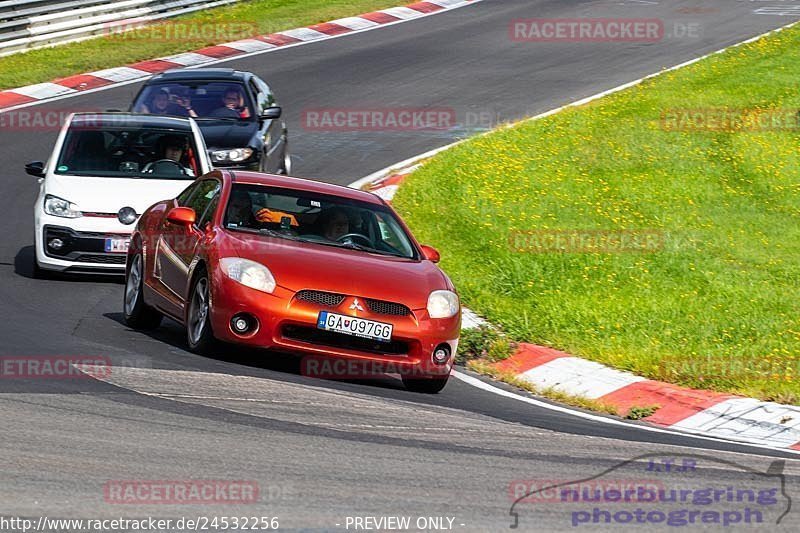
{"x":170,"y":148}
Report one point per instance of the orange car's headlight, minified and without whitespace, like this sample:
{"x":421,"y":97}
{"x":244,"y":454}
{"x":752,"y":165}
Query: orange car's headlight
{"x":442,"y":304}
{"x":248,"y":273}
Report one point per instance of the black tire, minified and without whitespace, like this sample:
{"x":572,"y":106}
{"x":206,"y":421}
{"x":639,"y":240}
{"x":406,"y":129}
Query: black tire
{"x":286,"y":163}
{"x":199,"y":335}
{"x":136,"y":312}
{"x":425,"y":385}
{"x":38,"y":272}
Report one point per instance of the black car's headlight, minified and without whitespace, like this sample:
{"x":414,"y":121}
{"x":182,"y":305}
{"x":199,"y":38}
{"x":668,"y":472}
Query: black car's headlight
{"x":233,"y":155}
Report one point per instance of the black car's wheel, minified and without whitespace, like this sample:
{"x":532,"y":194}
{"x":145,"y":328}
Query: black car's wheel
{"x":286,"y":164}
{"x":425,"y":385}
{"x":137,"y":313}
{"x":199,"y":335}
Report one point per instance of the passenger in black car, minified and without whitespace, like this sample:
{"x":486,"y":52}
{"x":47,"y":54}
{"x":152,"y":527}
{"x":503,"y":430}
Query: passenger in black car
{"x":233,"y":105}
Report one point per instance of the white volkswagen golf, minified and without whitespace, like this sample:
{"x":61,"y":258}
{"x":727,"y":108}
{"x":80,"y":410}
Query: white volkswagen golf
{"x":105,"y":170}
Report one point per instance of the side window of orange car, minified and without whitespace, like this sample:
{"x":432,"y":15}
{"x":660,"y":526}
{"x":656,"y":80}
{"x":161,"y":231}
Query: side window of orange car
{"x":210,"y":211}
{"x":183,"y":198}
{"x":201,"y":199}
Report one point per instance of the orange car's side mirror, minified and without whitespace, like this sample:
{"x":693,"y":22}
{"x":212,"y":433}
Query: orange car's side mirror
{"x":181,"y":216}
{"x":431,"y":253}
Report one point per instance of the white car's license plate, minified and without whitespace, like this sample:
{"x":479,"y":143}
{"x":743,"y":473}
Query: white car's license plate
{"x":116,"y":245}
{"x":358,"y":327}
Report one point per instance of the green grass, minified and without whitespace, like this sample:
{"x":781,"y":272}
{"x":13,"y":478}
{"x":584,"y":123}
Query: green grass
{"x":268,"y":16}
{"x":718,"y":306}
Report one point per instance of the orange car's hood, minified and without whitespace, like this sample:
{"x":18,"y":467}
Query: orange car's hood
{"x":298,"y":265}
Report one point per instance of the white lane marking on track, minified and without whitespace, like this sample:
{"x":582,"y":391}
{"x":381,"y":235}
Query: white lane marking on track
{"x":188,"y":58}
{"x":447,"y":3}
{"x":781,"y":11}
{"x":249,"y":45}
{"x":579,"y":377}
{"x":229,"y":59}
{"x":403,"y":13}
{"x":749,"y":417}
{"x":611,"y":421}
{"x":44,"y":90}
{"x":305,"y":34}
{"x":387,"y":193}
{"x":119,"y":74}
{"x":355,"y":23}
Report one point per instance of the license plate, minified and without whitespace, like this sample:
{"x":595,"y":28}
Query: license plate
{"x":116,"y":245}
{"x":358,"y":327}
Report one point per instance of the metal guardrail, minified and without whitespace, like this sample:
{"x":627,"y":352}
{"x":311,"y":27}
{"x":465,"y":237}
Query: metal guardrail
{"x":29,"y":24}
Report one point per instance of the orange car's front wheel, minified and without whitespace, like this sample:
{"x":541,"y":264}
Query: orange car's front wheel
{"x":199,"y":335}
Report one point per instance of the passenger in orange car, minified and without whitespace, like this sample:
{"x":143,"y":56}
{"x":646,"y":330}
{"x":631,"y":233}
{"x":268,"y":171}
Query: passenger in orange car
{"x":268,"y":215}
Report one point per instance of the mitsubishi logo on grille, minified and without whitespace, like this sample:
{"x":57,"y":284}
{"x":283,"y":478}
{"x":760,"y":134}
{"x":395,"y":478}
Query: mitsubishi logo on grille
{"x":355,"y":305}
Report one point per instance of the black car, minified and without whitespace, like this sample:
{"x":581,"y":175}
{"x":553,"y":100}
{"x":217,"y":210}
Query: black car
{"x":236,"y":112}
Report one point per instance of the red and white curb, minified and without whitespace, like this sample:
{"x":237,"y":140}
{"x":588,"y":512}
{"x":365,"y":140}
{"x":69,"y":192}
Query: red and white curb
{"x":73,"y":85}
{"x":699,"y":412}
{"x":693,"y":411}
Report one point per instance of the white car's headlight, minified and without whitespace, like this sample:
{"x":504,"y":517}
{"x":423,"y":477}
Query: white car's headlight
{"x":248,"y":273}
{"x":234,"y":155}
{"x":442,"y":304}
{"x":58,"y":207}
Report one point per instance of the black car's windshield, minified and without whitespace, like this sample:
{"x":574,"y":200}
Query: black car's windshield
{"x":317,"y":218}
{"x":130,"y":151}
{"x":200,"y":100}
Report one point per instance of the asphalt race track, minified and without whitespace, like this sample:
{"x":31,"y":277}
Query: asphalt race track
{"x":321,"y":450}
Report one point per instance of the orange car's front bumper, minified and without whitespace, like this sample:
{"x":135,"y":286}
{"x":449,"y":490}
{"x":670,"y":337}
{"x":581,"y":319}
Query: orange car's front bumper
{"x":285,"y":322}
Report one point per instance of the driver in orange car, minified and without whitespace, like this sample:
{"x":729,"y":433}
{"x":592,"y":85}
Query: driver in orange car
{"x":333,"y":223}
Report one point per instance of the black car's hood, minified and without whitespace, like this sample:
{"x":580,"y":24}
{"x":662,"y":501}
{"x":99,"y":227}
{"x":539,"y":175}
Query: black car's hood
{"x":227,"y":133}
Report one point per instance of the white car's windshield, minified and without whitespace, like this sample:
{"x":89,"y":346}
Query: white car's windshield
{"x":129,"y":152}
{"x":317,"y":218}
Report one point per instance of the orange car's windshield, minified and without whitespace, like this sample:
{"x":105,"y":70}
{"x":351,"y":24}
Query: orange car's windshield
{"x":317,"y":218}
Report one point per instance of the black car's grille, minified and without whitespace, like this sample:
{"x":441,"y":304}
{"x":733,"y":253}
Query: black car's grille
{"x":102,"y":259}
{"x":327,"y":299}
{"x":339,"y":340}
{"x":388,"y":308}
